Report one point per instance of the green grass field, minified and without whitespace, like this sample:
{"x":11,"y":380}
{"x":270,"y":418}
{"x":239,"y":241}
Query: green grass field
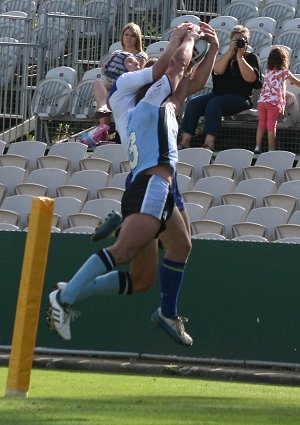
{"x":65,"y":398}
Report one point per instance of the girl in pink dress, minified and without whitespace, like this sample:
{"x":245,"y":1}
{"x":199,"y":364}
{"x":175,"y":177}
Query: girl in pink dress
{"x":271,"y":103}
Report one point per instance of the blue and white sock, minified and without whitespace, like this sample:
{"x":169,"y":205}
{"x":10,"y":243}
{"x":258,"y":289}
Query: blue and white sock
{"x":113,"y":283}
{"x":96,"y":264}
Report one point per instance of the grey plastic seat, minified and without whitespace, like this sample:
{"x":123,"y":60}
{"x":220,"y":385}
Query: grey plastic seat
{"x":267,"y":217}
{"x":92,"y":180}
{"x":115,"y":153}
{"x":279,"y":161}
{"x":256,"y":187}
{"x":47,"y":179}
{"x":10,"y":177}
{"x":24,"y":154}
{"x":216,"y":185}
{"x":197,"y":157}
{"x":74,"y":152}
{"x":227,"y":215}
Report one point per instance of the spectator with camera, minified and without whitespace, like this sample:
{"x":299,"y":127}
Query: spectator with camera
{"x":235,"y":74}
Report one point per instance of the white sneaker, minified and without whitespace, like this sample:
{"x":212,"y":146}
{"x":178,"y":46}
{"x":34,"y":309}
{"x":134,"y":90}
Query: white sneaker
{"x":174,"y":327}
{"x":59,"y":315}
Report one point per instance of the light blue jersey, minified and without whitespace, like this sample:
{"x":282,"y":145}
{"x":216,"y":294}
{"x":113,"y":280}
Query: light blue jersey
{"x":152,"y":130}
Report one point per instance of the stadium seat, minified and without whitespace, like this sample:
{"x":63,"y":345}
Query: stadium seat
{"x":218,"y":170}
{"x":48,"y":179}
{"x":291,"y":239}
{"x":51,"y":98}
{"x":242,"y":10}
{"x":184,"y":182}
{"x":213,"y":236}
{"x":111,"y":193}
{"x":96,"y":9}
{"x":2,"y":192}
{"x":288,"y":202}
{"x":51,"y":6}
{"x":65,"y":73}
{"x":74,"y":191}
{"x":263,"y":172}
{"x":206,"y":200}
{"x":26,"y":6}
{"x":55,"y":29}
{"x":93,"y":211}
{"x":52,"y":94}
{"x":291,"y":228}
{"x":8,"y":63}
{"x":187,"y":170}
{"x":13,"y":24}
{"x":154,"y":50}
{"x":267,"y":217}
{"x":250,"y":238}
{"x":118,"y":180}
{"x":178,"y":20}
{"x":207,"y":226}
{"x":25,"y":152}
{"x":115,"y":153}
{"x":278,"y":160}
{"x":236,"y":159}
{"x":82,"y":100}
{"x":289,"y":34}
{"x":242,"y":199}
{"x":92,"y":180}
{"x":291,"y":188}
{"x":281,"y":12}
{"x":216,"y":185}
{"x":293,"y":173}
{"x":20,"y":204}
{"x":194,"y":211}
{"x":227,"y":215}
{"x":74,"y":152}
{"x":34,"y":189}
{"x":8,"y":226}
{"x":64,"y":207}
{"x":51,"y":161}
{"x":262,"y":22}
{"x":2,"y":146}
{"x":80,"y":229}
{"x":10,"y":177}
{"x":197,"y":157}
{"x":95,"y":164}
{"x":256,"y":187}
{"x":9,"y":217}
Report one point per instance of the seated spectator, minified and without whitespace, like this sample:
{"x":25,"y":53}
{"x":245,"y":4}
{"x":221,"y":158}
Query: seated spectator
{"x":131,"y":40}
{"x":235,"y":74}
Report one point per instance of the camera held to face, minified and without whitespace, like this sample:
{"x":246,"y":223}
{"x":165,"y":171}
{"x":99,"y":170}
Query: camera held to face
{"x":241,"y":43}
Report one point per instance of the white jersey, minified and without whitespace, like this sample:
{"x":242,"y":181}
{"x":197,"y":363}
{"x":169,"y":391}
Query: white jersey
{"x":122,"y":97}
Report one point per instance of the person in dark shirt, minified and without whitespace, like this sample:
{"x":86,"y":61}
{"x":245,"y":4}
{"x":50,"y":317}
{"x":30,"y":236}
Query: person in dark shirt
{"x":236,"y":73}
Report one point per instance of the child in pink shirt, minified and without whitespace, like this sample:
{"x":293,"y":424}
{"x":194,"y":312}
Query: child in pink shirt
{"x":271,"y":103}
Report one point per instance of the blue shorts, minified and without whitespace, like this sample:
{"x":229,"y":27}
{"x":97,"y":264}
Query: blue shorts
{"x":176,"y":194}
{"x":148,"y":194}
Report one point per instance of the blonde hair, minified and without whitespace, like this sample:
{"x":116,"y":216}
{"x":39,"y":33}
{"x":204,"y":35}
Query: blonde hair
{"x":136,"y":30}
{"x":240,"y":29}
